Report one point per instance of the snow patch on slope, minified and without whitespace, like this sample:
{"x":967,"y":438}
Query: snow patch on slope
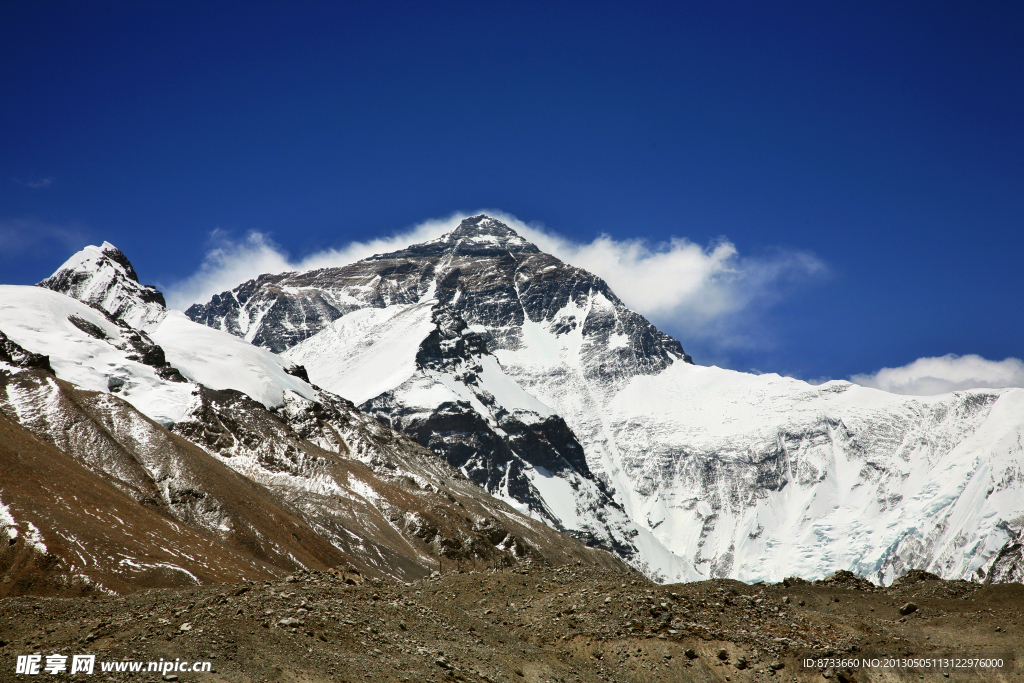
{"x":220,"y":360}
{"x":367,"y":352}
{"x":41,"y":320}
{"x":506,"y":392}
{"x":559,"y":496}
{"x":7,"y":523}
{"x":34,"y":539}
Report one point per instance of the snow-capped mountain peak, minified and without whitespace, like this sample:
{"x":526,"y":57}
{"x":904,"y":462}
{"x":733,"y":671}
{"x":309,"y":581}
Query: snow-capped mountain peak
{"x":416,"y":336}
{"x":104,"y":278}
{"x":106,"y":332}
{"x":483,"y":229}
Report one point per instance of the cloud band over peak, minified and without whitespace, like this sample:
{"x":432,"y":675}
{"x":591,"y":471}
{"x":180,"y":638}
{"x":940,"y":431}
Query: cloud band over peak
{"x":943,"y":374}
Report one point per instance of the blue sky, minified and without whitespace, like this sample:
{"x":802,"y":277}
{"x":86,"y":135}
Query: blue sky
{"x":864,"y":162}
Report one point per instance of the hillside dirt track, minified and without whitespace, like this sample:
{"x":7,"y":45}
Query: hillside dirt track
{"x":563,"y":625}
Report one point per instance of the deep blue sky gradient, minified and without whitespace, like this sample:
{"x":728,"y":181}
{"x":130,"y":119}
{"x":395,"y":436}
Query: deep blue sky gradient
{"x":886,"y":138}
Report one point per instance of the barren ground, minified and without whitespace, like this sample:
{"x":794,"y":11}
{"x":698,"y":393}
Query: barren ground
{"x":564,"y":625}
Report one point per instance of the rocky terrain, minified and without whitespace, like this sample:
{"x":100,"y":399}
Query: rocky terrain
{"x":531,"y":624}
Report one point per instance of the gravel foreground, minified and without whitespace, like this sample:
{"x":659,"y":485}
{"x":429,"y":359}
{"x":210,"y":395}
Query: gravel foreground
{"x":529,"y":625}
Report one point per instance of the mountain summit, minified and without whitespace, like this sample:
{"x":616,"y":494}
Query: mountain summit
{"x":474,"y":235}
{"x":483,"y":226}
{"x":481,"y":265}
{"x":416,"y":337}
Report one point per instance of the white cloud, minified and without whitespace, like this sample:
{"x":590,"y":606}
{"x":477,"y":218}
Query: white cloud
{"x":942,"y":374}
{"x":228,"y":264}
{"x":700,"y":290}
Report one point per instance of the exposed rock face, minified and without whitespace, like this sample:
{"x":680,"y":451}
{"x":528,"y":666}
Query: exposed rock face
{"x":481,"y":347}
{"x":1008,"y":565}
{"x":67,"y":529}
{"x":15,"y":355}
